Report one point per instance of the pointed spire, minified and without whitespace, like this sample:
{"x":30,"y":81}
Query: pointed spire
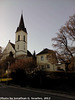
{"x":21,"y":25}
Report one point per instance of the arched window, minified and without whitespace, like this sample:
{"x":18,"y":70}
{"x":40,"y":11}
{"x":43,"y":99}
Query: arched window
{"x":24,"y":38}
{"x":18,"y":37}
{"x":24,"y":46}
{"x":18,"y":47}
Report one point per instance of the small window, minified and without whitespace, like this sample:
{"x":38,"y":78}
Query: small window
{"x":42,"y":58}
{"x":48,"y":66}
{"x":24,"y":38}
{"x":18,"y":37}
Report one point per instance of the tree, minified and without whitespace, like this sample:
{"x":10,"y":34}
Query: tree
{"x":64,"y":42}
{"x":1,"y":71}
{"x":21,"y":69}
{"x":27,"y":65}
{"x":34,"y":56}
{"x":51,"y":56}
{"x":0,"y":49}
{"x":70,"y":28}
{"x":8,"y":61}
{"x":0,"y":52}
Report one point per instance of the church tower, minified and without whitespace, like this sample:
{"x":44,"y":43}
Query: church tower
{"x":21,"y":39}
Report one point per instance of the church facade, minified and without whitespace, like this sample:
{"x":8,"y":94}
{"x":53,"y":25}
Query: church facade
{"x":19,"y":49}
{"x":46,"y":59}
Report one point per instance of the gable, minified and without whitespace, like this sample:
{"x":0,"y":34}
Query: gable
{"x":13,"y":45}
{"x":45,"y":51}
{"x":10,"y":47}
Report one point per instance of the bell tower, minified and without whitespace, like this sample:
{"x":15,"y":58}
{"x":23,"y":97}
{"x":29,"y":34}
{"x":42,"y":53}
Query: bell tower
{"x":21,"y":39}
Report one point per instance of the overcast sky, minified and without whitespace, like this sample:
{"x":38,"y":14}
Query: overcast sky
{"x":42,"y":18}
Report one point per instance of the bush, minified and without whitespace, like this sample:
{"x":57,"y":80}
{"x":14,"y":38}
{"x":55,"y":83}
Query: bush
{"x":53,"y":80}
{"x":19,"y":77}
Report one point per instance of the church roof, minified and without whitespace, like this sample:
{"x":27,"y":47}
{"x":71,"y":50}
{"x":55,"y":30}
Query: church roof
{"x":29,"y":53}
{"x":45,"y":51}
{"x":21,"y":25}
{"x":13,"y":45}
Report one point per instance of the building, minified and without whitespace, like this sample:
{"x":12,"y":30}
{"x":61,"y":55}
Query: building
{"x":47,"y":60}
{"x":19,"y":49}
{"x":9,"y":48}
{"x":21,"y":39}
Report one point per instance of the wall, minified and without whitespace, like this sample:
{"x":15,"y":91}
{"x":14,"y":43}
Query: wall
{"x":7,"y":51}
{"x":45,"y":63}
{"x":21,"y":46}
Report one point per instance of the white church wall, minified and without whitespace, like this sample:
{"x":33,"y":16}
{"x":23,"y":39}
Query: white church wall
{"x":7,"y":51}
{"x":21,"y":45}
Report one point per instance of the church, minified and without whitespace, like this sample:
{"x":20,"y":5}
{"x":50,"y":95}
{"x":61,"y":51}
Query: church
{"x":46,"y":59}
{"x":19,"y":49}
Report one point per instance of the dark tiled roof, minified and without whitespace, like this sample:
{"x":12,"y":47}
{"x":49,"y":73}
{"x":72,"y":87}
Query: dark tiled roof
{"x":13,"y":45}
{"x":45,"y":51}
{"x":29,"y":53}
{"x":21,"y":25}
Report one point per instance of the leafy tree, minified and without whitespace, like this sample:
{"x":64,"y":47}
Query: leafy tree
{"x":64,"y":42}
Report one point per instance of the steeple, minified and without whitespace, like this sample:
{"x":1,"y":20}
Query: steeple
{"x":21,"y":39}
{"x":21,"y":25}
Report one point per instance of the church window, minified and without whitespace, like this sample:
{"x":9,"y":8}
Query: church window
{"x":48,"y":66}
{"x":18,"y":37}
{"x":18,"y":47}
{"x":24,"y":46}
{"x":24,"y":38}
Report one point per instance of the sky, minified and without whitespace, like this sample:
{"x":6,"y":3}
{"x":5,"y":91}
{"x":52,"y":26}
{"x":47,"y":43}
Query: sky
{"x":42,"y":18}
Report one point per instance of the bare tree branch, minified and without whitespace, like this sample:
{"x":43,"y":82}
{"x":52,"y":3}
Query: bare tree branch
{"x":64,"y":42}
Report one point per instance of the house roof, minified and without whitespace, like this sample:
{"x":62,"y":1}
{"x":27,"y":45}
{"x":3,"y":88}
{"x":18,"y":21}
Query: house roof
{"x":21,"y":25}
{"x":45,"y":51}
